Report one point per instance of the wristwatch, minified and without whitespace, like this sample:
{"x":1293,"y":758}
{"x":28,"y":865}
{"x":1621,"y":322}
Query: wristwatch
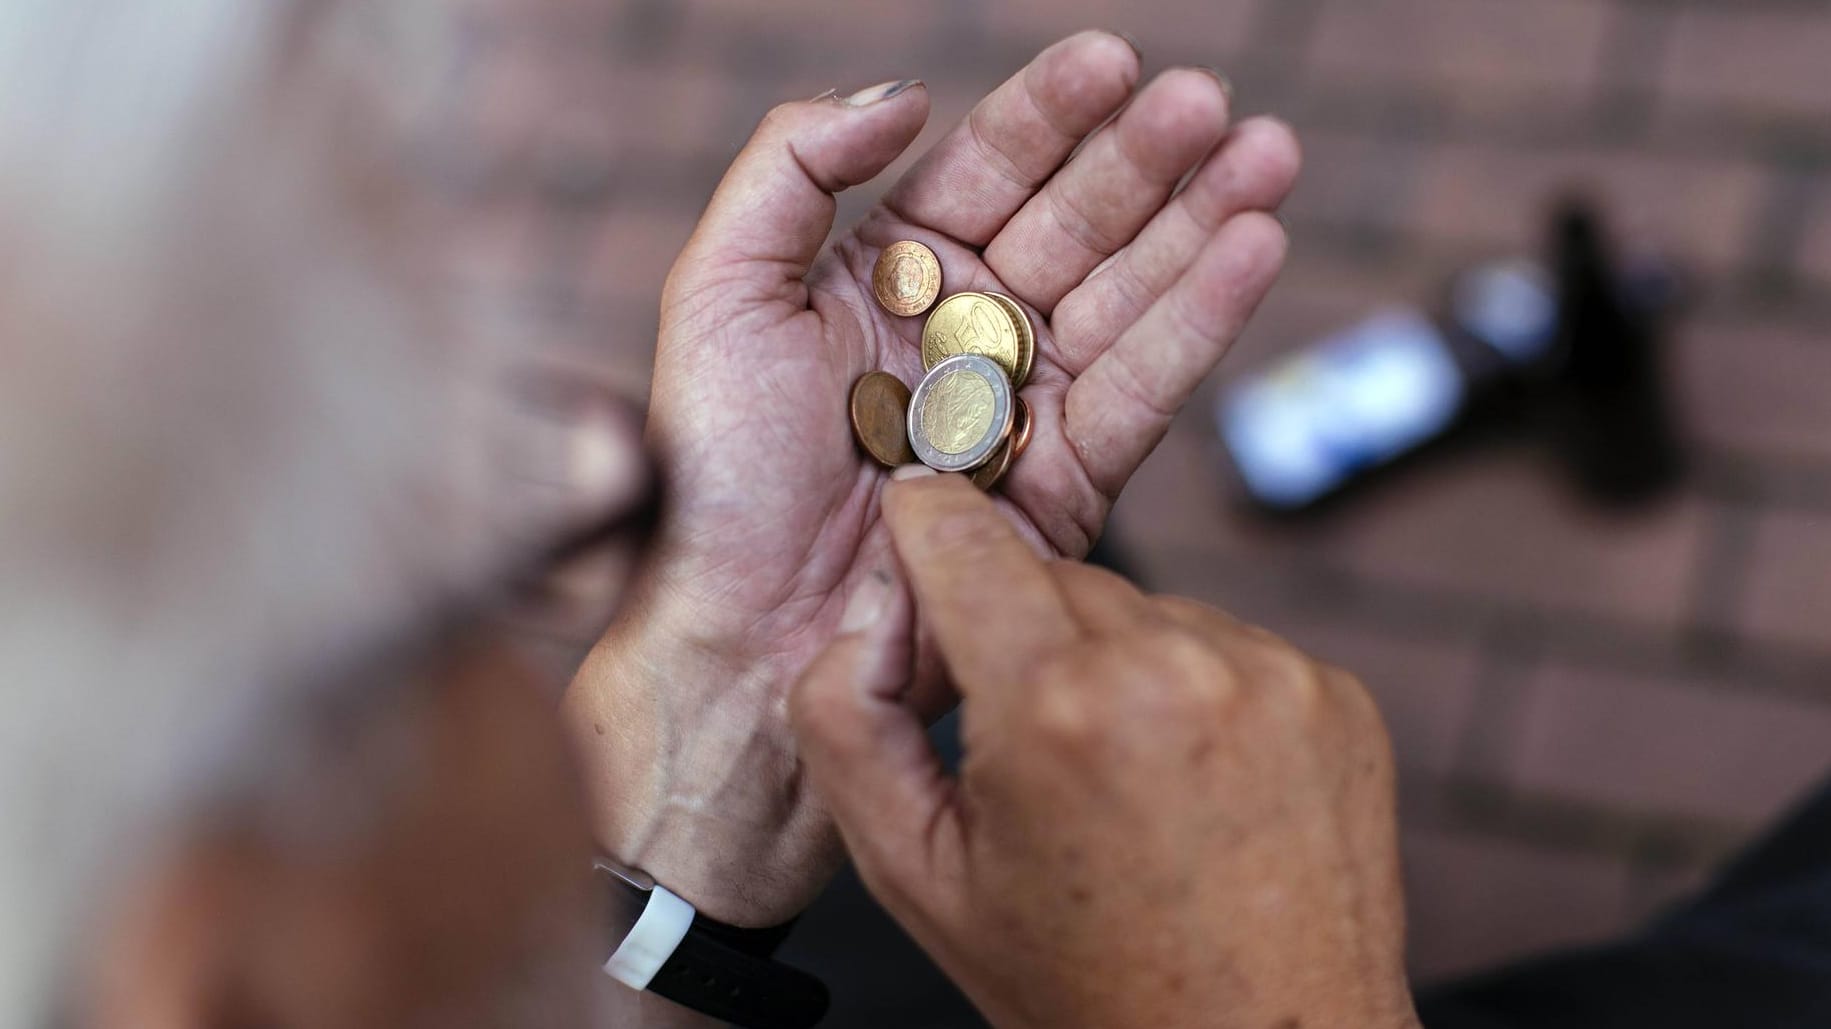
{"x":660,"y":944}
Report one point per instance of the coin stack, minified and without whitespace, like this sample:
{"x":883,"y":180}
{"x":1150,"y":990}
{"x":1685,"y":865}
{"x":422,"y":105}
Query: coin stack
{"x":977,"y":348}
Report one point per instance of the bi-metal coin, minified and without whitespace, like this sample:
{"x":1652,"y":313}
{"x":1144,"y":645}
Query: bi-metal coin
{"x":907,"y":278}
{"x":973,"y":323}
{"x":961,"y":413}
{"x":880,"y":409}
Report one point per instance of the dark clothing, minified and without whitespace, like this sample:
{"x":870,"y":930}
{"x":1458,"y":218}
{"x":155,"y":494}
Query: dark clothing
{"x":1753,"y":952}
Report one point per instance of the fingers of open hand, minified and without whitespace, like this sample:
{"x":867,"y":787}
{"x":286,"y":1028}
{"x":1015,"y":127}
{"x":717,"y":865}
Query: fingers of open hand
{"x":774,"y":209}
{"x":1253,"y":169}
{"x":976,"y":178}
{"x":1120,"y":407}
{"x":1101,"y":199}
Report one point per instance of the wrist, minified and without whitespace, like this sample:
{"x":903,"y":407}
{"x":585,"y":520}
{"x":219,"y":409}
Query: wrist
{"x":691,"y":773}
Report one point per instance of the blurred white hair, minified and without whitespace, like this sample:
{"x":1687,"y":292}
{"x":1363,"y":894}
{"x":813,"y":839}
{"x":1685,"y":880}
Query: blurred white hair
{"x":209,"y":386}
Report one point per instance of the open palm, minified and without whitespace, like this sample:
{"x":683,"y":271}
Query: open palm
{"x":1136,"y":288}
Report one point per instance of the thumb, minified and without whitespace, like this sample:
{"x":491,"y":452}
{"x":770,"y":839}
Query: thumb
{"x":771,"y":214}
{"x":864,"y":749}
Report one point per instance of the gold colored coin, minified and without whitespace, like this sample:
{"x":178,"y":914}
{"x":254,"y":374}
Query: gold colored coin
{"x":1026,"y":339}
{"x":990,"y":474}
{"x":973,"y":323}
{"x":957,"y":412}
{"x":907,"y":278}
{"x":880,"y":407}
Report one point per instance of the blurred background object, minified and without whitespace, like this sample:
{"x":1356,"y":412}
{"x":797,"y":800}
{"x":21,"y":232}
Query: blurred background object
{"x":1592,"y":707}
{"x":1569,"y":349}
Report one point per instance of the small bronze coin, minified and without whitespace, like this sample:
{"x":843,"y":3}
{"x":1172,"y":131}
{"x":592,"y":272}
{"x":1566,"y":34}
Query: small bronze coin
{"x":993,"y":472}
{"x":1026,"y":339}
{"x":880,"y":407}
{"x":1022,"y":430}
{"x":907,"y":278}
{"x":987,"y":476}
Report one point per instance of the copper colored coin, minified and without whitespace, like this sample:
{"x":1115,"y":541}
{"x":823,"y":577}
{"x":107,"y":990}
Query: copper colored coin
{"x":1021,"y":431}
{"x":987,"y":476}
{"x":993,"y":472}
{"x":907,"y":278}
{"x":880,"y":405}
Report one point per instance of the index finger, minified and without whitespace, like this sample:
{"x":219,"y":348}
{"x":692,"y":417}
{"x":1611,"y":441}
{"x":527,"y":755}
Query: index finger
{"x":994,"y":608}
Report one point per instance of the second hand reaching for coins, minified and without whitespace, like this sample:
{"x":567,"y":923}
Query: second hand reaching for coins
{"x":977,"y":350}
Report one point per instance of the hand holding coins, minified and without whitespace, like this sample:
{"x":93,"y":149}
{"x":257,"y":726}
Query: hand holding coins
{"x":977,"y":350}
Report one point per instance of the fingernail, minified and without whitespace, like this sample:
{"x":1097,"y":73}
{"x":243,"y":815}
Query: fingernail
{"x":880,"y":92}
{"x":867,"y":603}
{"x":1226,"y":83}
{"x":911,"y":471}
{"x":831,"y":94}
{"x":1131,"y":41}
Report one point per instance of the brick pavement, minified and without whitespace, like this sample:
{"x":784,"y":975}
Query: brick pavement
{"x":1590,"y":709}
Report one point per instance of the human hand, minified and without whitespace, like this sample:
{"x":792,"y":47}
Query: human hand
{"x":774,"y":518}
{"x":1163,"y":818}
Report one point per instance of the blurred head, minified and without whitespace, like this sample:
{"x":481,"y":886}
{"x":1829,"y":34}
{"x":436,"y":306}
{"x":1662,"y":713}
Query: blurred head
{"x":268,"y":757}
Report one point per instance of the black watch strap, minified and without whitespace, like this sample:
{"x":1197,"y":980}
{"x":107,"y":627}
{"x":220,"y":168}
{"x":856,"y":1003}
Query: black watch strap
{"x":716,"y":969}
{"x":729,"y":984}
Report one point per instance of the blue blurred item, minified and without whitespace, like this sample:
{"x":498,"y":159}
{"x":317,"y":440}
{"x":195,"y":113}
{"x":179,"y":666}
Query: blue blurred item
{"x":1570,"y":350}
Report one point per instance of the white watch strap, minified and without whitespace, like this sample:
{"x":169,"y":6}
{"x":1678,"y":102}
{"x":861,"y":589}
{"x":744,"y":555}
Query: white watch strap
{"x":659,"y":930}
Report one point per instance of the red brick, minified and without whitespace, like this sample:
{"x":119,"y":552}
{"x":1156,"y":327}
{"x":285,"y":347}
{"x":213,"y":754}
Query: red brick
{"x":1763,"y":62}
{"x":1505,"y":526}
{"x":1815,"y":252}
{"x":1353,"y":180}
{"x":1500,"y":526}
{"x":1758,"y":389}
{"x":1679,"y":748}
{"x":1452,"y":47}
{"x":1197,"y":31}
{"x":627,"y":261}
{"x":1320,"y":293}
{"x":1497,"y":197}
{"x":494,"y":249}
{"x":1475,"y":902}
{"x":1788,"y":594}
{"x":658,"y":110}
{"x":873,"y":39}
{"x":1425,"y":690}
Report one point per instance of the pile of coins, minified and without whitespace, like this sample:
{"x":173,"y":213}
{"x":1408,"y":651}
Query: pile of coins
{"x":977,"y":349}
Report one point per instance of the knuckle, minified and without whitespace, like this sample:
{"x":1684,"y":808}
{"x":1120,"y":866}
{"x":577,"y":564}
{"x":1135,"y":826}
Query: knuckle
{"x":1183,"y":677}
{"x":1350,"y":694}
{"x":1066,"y":720}
{"x":1304,"y":677}
{"x":781,"y":117}
{"x":1070,"y":711}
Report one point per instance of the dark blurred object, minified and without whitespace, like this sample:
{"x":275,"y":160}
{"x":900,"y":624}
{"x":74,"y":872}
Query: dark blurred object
{"x":1749,"y":951}
{"x":1610,"y":420}
{"x":1571,"y":352}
